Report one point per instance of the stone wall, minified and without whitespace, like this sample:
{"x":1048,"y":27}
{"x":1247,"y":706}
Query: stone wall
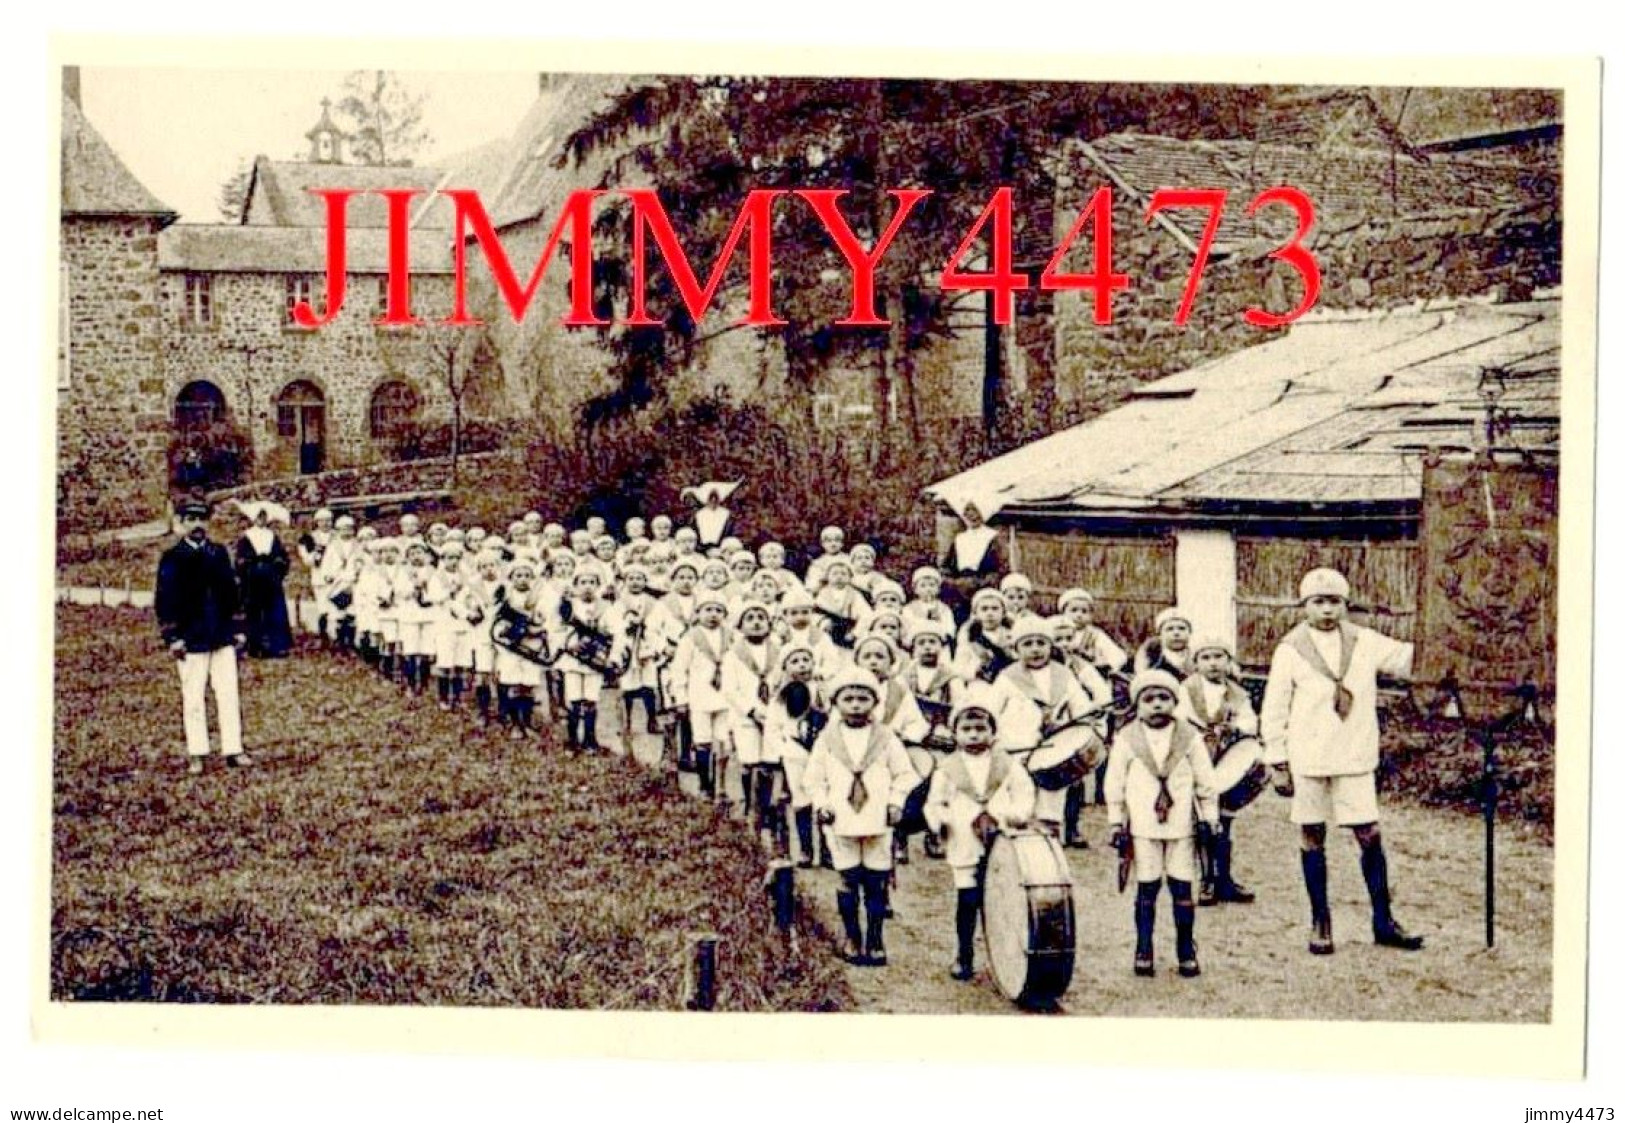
{"x":1382,"y":263}
{"x":112,"y":421}
{"x":347,"y":360}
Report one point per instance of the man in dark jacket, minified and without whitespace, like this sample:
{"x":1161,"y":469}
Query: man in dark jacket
{"x":197,"y":607}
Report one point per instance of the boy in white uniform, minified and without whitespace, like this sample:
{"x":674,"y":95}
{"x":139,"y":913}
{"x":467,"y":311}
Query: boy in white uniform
{"x":974,"y":791}
{"x":1219,"y":708}
{"x":1159,"y":796}
{"x":748,"y":667}
{"x":1319,"y":722}
{"x":795,"y":717}
{"x":696,"y":684}
{"x":1040,"y":694}
{"x":858,"y":777}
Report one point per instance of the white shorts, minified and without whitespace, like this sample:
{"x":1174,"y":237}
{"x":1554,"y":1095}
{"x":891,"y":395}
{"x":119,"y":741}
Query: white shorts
{"x":1348,"y":801}
{"x":482,"y":654}
{"x":871,"y":851}
{"x":582,"y":685}
{"x":795,"y":768}
{"x":511,"y":670}
{"x":450,"y":646}
{"x":708,"y":726}
{"x":747,"y":739}
{"x":1157,"y":858}
{"x":416,"y":638}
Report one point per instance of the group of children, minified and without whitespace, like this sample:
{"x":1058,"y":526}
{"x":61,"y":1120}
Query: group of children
{"x":851,"y":712}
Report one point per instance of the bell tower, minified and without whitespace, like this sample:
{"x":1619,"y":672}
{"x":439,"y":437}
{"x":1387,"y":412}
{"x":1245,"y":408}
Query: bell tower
{"x":326,"y":138}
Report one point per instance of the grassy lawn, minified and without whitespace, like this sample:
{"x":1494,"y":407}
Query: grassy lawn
{"x":382,"y":852}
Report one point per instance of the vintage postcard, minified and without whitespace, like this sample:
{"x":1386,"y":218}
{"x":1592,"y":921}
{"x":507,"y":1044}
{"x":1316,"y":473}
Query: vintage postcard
{"x":735,"y":540}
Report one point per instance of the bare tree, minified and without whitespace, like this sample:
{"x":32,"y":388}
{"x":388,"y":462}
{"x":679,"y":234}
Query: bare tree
{"x":383,"y":117}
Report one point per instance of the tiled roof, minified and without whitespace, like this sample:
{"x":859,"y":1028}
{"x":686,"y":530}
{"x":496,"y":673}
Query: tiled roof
{"x":1338,"y":411}
{"x":283,"y":249}
{"x":279,"y":194}
{"x":1347,"y":187}
{"x":532,"y":183}
{"x":94,"y":180}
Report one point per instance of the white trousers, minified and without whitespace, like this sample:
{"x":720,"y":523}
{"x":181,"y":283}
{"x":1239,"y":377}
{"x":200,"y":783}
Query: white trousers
{"x":217,"y":669}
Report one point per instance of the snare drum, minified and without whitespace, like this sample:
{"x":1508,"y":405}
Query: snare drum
{"x":1240,"y":775}
{"x":925,"y":763}
{"x":1028,"y":921}
{"x":1064,"y":759}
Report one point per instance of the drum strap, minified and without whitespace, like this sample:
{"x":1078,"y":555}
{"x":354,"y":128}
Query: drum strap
{"x":746,"y":651}
{"x":934,"y":689}
{"x":1342,"y":698}
{"x":1141,"y":748}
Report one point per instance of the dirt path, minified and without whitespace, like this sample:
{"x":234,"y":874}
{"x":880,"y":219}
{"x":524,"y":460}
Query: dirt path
{"x":1254,"y":959}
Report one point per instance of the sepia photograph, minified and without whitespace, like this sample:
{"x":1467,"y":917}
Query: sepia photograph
{"x":729,"y":542}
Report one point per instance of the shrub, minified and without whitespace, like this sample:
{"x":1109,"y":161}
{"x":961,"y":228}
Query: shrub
{"x":208,"y":457}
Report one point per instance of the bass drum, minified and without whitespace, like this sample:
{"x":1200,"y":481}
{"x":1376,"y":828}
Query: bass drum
{"x":1240,"y":775}
{"x":925,"y":763}
{"x":1028,"y":922}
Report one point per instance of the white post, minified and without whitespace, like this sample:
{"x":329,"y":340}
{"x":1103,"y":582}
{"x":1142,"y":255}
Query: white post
{"x":1205,"y":579}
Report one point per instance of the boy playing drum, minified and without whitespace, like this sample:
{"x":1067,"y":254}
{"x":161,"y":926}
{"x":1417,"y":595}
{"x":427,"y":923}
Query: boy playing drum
{"x":973,"y":793}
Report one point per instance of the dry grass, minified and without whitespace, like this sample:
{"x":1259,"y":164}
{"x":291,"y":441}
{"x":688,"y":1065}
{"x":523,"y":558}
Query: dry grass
{"x":382,"y":852}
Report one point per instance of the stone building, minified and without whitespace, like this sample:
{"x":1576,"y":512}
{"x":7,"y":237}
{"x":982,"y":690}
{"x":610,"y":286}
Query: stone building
{"x":178,"y":337}
{"x":112,"y":416}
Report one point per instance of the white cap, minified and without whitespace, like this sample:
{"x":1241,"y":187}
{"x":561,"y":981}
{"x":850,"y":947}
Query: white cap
{"x":1015,"y":581}
{"x":1079,"y":596}
{"x":1169,"y":615}
{"x":853,"y":677}
{"x":1147,"y":679}
{"x":978,"y":697}
{"x":1029,"y":626}
{"x":1323,"y":583}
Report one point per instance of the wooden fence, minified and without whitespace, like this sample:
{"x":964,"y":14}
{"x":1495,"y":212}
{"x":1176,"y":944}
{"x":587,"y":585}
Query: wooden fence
{"x":1384,"y":578}
{"x":1132,"y":577}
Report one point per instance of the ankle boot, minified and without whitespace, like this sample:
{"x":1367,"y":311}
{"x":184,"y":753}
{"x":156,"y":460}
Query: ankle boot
{"x":1145,"y":925}
{"x":876,"y":899}
{"x":804,"y":837}
{"x":965,"y":915}
{"x":1320,"y":909}
{"x":1184,"y":929}
{"x":572,"y":726}
{"x":702,"y":766}
{"x":685,"y":745}
{"x":1384,"y":928}
{"x":1072,"y":834}
{"x":482,"y":701}
{"x":846,"y":903}
{"x":589,"y":727}
{"x":527,"y":714}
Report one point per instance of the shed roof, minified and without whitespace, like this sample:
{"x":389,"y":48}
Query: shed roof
{"x":1337,"y":411}
{"x":94,"y":180}
{"x":209,"y":248}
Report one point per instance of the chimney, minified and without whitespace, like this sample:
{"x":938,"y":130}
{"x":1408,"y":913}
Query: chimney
{"x":547,"y":83}
{"x":70,"y":85}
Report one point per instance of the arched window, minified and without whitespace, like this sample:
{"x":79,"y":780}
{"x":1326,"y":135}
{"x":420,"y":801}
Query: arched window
{"x":394,"y":406}
{"x":199,"y":405}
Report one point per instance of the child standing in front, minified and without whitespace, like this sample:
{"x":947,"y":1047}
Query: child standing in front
{"x":858,"y":777}
{"x":1159,"y":797}
{"x":974,"y":792}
